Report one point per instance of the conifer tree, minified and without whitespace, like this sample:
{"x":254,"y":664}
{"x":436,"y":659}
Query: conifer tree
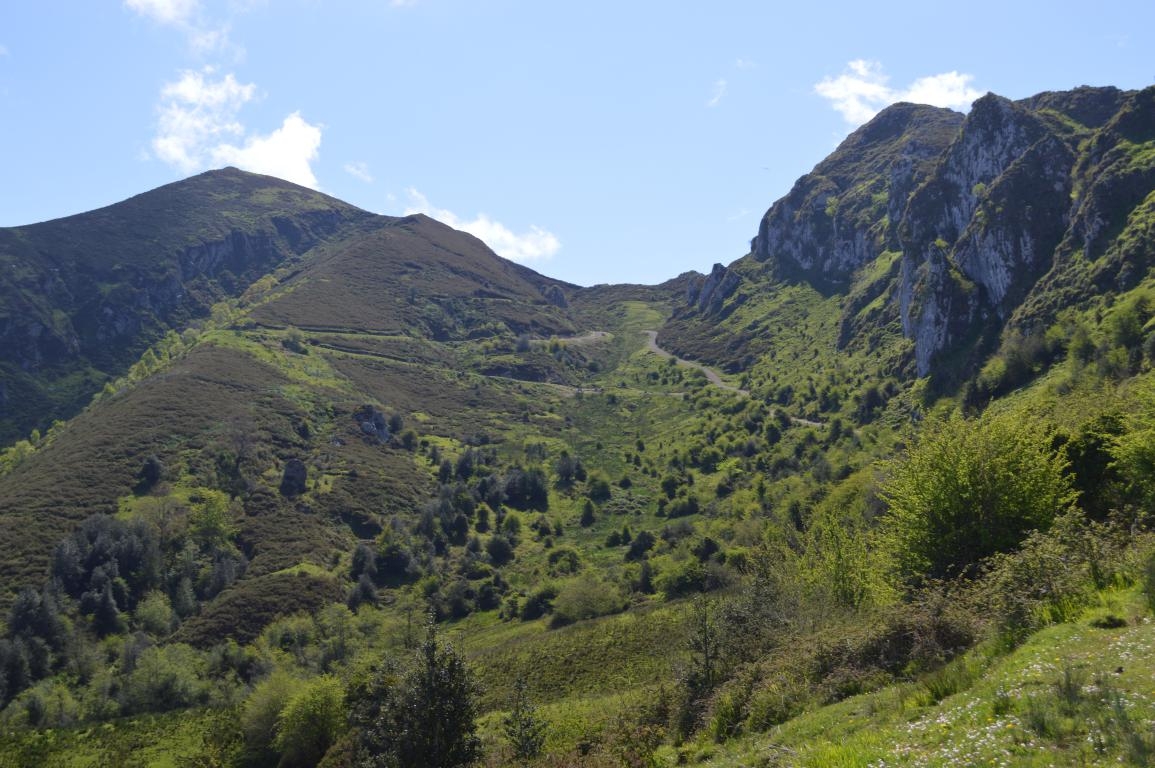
{"x":423,"y":718}
{"x":524,"y":730}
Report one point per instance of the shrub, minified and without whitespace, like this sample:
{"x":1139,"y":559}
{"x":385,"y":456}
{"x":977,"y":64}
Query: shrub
{"x":310,"y":722}
{"x":499,"y":549}
{"x":681,"y":578}
{"x":585,"y":597}
{"x":564,"y":560}
{"x":166,"y":677}
{"x":260,"y":714}
{"x":154,"y":614}
{"x":539,"y":603}
{"x":969,"y":489}
{"x":598,"y":487}
{"x":641,"y":544}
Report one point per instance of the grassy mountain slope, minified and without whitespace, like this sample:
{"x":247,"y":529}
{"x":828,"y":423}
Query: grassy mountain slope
{"x":680,"y":564}
{"x":82,"y":297}
{"x":419,"y":277}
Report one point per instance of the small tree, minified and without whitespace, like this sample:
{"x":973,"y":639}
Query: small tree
{"x":587,"y":517}
{"x":524,"y":730}
{"x":106,"y":620}
{"x":423,"y":718}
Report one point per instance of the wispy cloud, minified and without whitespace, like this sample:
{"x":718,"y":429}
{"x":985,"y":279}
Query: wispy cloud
{"x":863,"y":90}
{"x":3,"y":50}
{"x":197,"y":112}
{"x":199,"y":127}
{"x":718,"y":94}
{"x":744,"y":63}
{"x":165,"y":11}
{"x":537,"y":244}
{"x":187,"y":17}
{"x":359,"y":170}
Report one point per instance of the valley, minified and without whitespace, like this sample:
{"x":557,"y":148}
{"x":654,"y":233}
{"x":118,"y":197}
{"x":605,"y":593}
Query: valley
{"x":878,"y":492}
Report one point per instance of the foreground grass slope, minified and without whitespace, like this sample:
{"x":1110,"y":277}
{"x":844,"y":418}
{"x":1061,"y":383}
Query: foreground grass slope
{"x":1077,"y":693}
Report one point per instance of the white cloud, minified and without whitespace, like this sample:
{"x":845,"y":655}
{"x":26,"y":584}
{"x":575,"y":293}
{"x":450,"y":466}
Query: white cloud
{"x":199,"y":127}
{"x":196,"y":113}
{"x":537,"y":244}
{"x":286,"y":153}
{"x":743,"y":63}
{"x":862,"y":91}
{"x":3,"y":50}
{"x":359,"y":170}
{"x":719,"y":92}
{"x":204,"y":40}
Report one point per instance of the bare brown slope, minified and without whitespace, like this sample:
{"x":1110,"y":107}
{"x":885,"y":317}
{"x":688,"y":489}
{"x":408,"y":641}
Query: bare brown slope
{"x":420,"y":277}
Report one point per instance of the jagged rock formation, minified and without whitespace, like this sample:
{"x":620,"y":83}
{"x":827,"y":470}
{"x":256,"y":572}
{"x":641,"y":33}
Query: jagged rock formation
{"x":952,"y":226}
{"x":709,"y":293}
{"x":842,"y":214}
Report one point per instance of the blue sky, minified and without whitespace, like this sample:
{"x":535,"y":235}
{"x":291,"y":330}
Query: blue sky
{"x":593,"y":141}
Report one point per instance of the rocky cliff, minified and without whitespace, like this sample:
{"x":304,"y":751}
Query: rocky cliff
{"x":989,"y":214}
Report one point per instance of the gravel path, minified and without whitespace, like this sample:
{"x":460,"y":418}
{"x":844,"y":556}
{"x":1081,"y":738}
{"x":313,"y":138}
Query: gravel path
{"x":711,"y":375}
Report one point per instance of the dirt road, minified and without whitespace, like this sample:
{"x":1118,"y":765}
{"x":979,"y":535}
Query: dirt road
{"x":711,"y":375}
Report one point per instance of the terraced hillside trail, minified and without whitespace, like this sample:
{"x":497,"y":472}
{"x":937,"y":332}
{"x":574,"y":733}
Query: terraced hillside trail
{"x":711,"y":375}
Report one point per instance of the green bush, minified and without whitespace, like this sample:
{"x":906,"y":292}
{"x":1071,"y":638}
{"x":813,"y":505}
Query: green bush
{"x":166,"y":677}
{"x":311,"y":722}
{"x":585,"y":597}
{"x":968,"y":489}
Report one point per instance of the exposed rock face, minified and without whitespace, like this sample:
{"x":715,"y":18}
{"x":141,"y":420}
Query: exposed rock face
{"x":838,"y":217}
{"x":959,"y":267}
{"x":1003,"y":211}
{"x":962,"y":221}
{"x":708,"y":293}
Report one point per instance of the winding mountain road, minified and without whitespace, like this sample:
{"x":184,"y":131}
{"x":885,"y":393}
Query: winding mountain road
{"x":712,"y":376}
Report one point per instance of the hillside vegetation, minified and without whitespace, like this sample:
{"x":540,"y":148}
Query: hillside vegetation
{"x":379,"y":465}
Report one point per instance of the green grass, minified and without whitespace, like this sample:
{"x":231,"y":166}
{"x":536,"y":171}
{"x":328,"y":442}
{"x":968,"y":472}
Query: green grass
{"x":156,"y":741}
{"x":1073,"y":694}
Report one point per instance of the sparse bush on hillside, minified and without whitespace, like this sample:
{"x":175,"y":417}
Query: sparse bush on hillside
{"x":585,"y":597}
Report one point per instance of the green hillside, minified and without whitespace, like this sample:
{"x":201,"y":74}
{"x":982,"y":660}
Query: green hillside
{"x":82,"y":297}
{"x":878,"y":493}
